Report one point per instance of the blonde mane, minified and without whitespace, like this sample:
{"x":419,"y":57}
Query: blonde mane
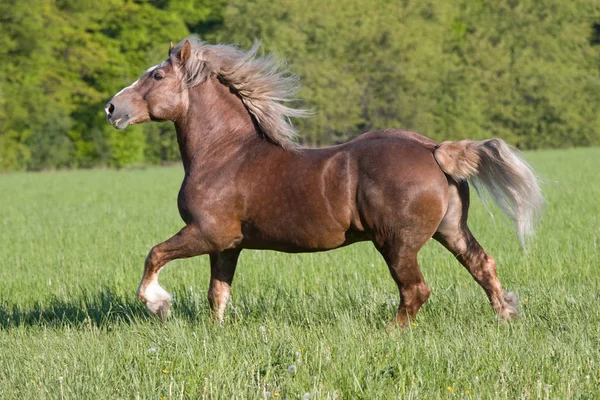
{"x":262,"y":83}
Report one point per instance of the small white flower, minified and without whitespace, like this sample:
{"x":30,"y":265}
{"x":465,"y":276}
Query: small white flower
{"x":476,"y":379}
{"x":327,"y":353}
{"x":291,"y":370}
{"x":267,"y":395}
{"x":306,"y":396}
{"x":263,"y":332}
{"x":151,"y":350}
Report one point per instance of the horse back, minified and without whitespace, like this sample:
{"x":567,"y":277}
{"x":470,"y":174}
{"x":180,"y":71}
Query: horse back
{"x":318,"y":199}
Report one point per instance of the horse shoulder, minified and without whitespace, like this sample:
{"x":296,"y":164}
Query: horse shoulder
{"x":213,"y":205}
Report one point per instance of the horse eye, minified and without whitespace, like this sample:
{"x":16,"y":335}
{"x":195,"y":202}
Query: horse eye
{"x":157,"y":76}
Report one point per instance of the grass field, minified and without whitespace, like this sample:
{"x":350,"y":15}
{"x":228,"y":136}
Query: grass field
{"x":72,"y":246}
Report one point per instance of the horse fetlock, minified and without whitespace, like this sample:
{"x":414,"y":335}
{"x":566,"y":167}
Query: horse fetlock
{"x":414,"y":297}
{"x":157,"y":299}
{"x":400,"y":320}
{"x":423,"y":292}
{"x":512,"y":304}
{"x":218,"y":303}
{"x":507,"y":307}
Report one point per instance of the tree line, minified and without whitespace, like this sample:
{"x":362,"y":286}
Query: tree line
{"x":527,"y":71}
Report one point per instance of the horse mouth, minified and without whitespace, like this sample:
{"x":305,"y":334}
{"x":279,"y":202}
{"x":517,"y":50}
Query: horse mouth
{"x":121,"y":123}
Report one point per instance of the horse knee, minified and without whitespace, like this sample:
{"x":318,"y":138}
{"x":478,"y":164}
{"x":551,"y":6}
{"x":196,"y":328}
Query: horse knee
{"x":154,"y":258}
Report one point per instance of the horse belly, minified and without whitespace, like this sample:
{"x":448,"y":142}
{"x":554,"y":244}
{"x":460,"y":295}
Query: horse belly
{"x":293,"y":232}
{"x":306,"y":204}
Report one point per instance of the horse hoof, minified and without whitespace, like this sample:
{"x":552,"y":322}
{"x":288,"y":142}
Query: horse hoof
{"x":160,"y":309}
{"x":511,"y":309}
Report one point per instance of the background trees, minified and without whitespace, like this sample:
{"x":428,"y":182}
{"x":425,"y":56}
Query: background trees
{"x":524,"y":70}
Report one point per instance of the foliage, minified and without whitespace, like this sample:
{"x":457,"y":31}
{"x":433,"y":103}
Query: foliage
{"x":524,"y":70}
{"x":126,"y":148}
{"x":73,"y":249}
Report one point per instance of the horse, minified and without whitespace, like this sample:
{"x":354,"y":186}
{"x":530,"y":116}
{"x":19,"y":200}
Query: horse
{"x":248,"y":184}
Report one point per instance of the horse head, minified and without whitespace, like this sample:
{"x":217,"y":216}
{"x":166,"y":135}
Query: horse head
{"x":160,"y":94}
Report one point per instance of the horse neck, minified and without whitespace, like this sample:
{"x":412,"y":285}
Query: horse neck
{"x":217,"y":125}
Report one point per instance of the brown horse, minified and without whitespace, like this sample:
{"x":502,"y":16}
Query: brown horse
{"x":248,"y":185}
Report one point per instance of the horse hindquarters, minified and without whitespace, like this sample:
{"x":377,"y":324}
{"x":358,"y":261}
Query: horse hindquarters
{"x":402,"y":198}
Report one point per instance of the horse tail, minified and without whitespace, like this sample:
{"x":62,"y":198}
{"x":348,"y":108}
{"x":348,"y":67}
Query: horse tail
{"x":501,"y":170}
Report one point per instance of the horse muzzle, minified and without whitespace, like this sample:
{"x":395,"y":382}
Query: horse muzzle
{"x":119,"y":117}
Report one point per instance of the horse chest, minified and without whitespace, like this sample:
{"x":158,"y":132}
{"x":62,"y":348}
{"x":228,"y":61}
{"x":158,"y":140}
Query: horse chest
{"x":203,"y":203}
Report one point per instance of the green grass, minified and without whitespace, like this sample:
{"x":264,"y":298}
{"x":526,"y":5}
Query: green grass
{"x":72,"y":246}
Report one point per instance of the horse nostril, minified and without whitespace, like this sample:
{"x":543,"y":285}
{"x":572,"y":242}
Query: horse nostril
{"x":109,"y":109}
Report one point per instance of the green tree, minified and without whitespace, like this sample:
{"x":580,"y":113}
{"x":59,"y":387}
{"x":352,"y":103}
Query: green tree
{"x":527,"y":71}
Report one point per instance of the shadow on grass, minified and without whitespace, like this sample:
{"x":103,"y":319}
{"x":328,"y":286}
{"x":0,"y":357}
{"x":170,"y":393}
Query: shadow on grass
{"x":108,"y":307}
{"x":102,"y":309}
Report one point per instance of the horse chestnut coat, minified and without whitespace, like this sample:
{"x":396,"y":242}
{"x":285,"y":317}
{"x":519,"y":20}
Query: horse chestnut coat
{"x":249,"y":185}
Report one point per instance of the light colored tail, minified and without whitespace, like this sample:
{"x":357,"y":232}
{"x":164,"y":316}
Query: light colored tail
{"x":494,"y":165}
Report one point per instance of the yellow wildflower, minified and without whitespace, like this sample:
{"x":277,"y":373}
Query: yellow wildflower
{"x":414,"y":324}
{"x":467,"y":392}
{"x":164,"y":371}
{"x":275,"y":394}
{"x":450,"y":388}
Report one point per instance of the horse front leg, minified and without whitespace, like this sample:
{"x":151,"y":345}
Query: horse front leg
{"x":222,"y":269}
{"x":187,"y":243}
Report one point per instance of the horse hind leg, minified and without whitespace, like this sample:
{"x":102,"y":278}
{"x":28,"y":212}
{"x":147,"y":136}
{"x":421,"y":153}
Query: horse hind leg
{"x":414,"y":292}
{"x":454,"y":234}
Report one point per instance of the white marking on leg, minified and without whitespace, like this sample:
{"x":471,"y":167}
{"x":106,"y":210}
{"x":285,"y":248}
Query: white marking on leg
{"x":512,"y":303}
{"x":157,"y":299}
{"x":222,"y":306}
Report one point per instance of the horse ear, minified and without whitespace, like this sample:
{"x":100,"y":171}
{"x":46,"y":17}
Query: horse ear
{"x":185,"y":52}
{"x":171,"y":47}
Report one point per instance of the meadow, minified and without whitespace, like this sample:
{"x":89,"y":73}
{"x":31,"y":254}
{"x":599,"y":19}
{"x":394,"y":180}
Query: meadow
{"x":72,"y":246}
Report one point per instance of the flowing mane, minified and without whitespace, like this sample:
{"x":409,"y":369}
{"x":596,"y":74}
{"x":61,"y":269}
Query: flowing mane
{"x":263,"y":84}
